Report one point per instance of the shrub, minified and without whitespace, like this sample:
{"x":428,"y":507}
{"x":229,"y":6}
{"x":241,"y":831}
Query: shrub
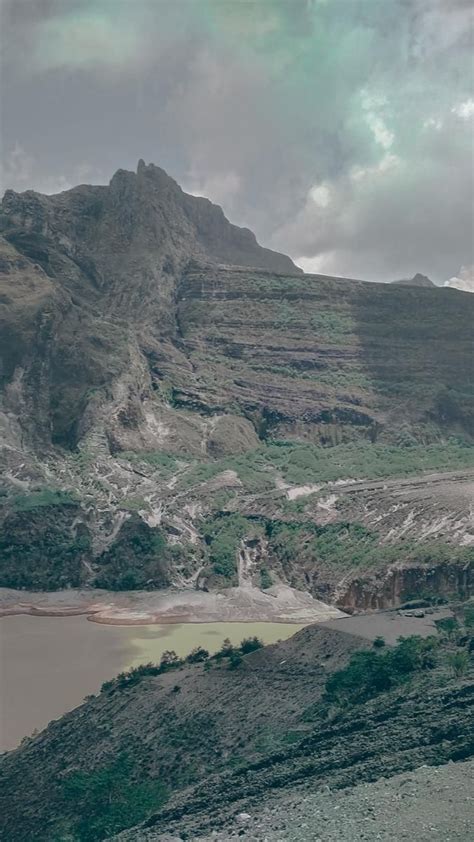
{"x":459,"y":662}
{"x":235,"y":659}
{"x":469,"y":616}
{"x":379,"y":643}
{"x":198,"y":654}
{"x":107,"y":800}
{"x":448,"y":625}
{"x":170,"y":660}
{"x":369,"y":672}
{"x":250,"y":644}
{"x":266,"y":580}
{"x":226,"y":649}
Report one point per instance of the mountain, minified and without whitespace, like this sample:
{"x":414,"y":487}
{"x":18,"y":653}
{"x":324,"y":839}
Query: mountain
{"x":180,"y":406}
{"x":418,"y":280}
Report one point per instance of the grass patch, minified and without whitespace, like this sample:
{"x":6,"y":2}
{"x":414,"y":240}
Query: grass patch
{"x":39,"y":499}
{"x":165,"y":463}
{"x":302,"y":463}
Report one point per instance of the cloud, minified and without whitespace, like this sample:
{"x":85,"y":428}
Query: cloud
{"x":394,"y":218}
{"x":339,"y":131}
{"x":17,"y":172}
{"x":465,"y":109}
{"x":464,"y":281}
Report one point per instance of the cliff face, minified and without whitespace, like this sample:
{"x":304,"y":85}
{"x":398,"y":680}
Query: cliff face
{"x":125,"y":283}
{"x":106,"y":262}
{"x":154,"y":358}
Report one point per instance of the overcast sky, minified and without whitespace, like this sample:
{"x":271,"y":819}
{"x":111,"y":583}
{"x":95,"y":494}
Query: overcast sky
{"x":340,"y":131}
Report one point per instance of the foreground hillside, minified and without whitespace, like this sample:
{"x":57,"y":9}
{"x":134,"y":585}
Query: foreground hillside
{"x":430,"y":804}
{"x":189,"y":745}
{"x":182,"y":407}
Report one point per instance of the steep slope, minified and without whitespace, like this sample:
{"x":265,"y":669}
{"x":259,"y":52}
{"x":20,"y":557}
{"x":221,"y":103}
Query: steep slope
{"x":233,"y":732}
{"x":114,"y":255}
{"x":162,"y":375}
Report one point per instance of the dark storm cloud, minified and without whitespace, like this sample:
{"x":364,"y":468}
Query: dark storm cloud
{"x":339,"y":130}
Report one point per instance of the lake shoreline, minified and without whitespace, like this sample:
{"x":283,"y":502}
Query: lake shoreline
{"x":279,"y":604}
{"x":48,"y":668}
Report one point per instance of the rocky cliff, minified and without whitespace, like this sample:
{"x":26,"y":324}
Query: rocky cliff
{"x":169,"y":385}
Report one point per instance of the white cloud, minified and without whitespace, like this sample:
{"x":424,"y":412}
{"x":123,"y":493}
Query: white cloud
{"x":374,"y":107}
{"x":321,"y":195}
{"x":463,"y":281}
{"x":312,"y":265}
{"x":387,"y":163}
{"x":465,"y":109}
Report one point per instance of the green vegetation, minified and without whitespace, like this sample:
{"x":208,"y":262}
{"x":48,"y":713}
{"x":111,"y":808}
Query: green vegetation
{"x":448,"y":626}
{"x":340,"y":544}
{"x":370,"y":672}
{"x":223,"y":534}
{"x":332,"y":325}
{"x":344,"y":545}
{"x":301,"y":463}
{"x":131,"y":677}
{"x":266,"y":580}
{"x":40,"y":550}
{"x":235,"y":660}
{"x":134,"y":504}
{"x":137,"y":559}
{"x":106,"y":801}
{"x":171,"y":661}
{"x":459,"y":663}
{"x":250,"y":644}
{"x":197,"y":655}
{"x":338,"y":378}
{"x":383,"y":668}
{"x":350,"y":545}
{"x":165,"y":463}
{"x":40,"y":499}
{"x":469,"y":616}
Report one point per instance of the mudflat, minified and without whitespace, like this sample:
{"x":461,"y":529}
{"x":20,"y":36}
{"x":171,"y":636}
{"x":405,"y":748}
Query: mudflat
{"x":280,"y":604}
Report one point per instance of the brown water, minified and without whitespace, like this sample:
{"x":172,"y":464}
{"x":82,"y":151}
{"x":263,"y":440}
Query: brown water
{"x":48,"y":664}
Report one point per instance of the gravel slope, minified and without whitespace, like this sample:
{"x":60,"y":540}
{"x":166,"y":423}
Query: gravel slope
{"x":435,"y":804}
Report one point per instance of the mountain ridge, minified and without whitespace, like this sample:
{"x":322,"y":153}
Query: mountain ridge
{"x":151,"y":392}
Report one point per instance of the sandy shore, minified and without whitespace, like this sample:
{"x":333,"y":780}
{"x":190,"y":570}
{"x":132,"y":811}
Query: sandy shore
{"x":243,"y":604}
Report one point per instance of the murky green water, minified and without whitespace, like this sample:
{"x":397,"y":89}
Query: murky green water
{"x":48,"y":664}
{"x":151,"y":641}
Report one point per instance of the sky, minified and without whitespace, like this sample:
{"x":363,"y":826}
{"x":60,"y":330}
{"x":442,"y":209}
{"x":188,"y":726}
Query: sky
{"x":340,"y":131}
